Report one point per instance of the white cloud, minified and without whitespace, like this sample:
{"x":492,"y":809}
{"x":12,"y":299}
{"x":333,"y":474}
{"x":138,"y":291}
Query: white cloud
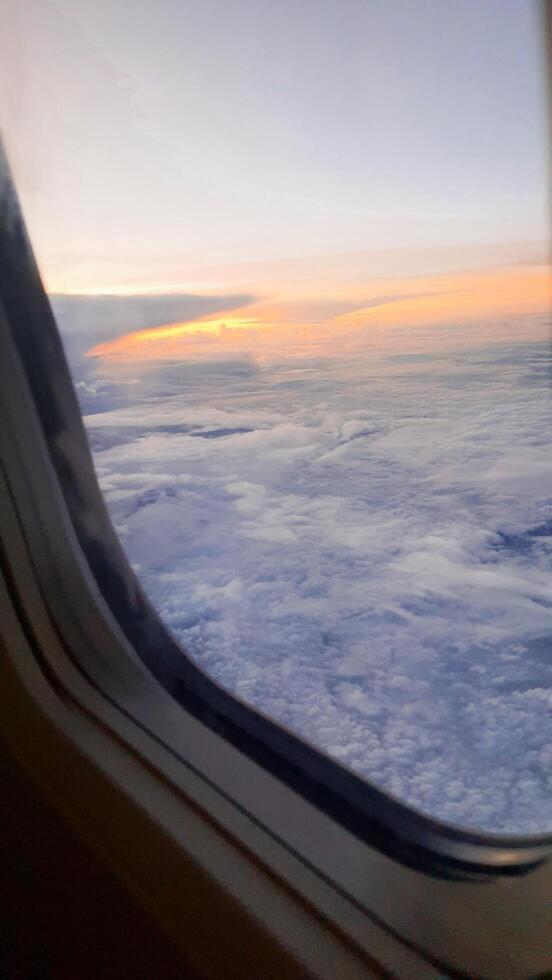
{"x":363,"y":556}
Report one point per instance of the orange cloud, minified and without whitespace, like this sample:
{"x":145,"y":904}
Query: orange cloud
{"x":350,"y":315}
{"x":139,"y":341}
{"x":512,"y":291}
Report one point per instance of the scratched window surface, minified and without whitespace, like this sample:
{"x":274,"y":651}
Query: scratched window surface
{"x":298,"y":254}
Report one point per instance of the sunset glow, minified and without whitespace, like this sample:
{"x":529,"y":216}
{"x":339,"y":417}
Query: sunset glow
{"x":139,"y":340}
{"x":290,"y":319}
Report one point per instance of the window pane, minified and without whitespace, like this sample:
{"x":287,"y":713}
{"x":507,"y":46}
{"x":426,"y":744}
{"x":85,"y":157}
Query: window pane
{"x":299,"y":258}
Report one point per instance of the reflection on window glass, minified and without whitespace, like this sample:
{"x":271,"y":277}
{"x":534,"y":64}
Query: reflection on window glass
{"x":298,"y":254}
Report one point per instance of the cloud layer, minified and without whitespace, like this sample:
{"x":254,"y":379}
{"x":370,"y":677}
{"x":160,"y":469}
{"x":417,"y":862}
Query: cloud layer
{"x":359,"y":547}
{"x":88,"y":320}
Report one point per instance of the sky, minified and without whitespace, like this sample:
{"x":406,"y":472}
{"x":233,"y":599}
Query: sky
{"x":171,"y":145}
{"x":299,"y":257}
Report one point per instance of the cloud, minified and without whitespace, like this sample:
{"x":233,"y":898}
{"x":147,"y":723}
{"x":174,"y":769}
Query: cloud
{"x":85,"y":321}
{"x":363,"y":554}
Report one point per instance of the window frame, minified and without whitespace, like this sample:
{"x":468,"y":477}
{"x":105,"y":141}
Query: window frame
{"x":408,"y":888}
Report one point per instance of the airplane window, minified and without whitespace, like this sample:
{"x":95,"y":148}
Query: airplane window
{"x":299,"y":257}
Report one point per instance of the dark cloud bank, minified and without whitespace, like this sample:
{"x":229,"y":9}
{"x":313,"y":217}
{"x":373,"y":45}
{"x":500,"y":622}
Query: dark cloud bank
{"x":89,"y":320}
